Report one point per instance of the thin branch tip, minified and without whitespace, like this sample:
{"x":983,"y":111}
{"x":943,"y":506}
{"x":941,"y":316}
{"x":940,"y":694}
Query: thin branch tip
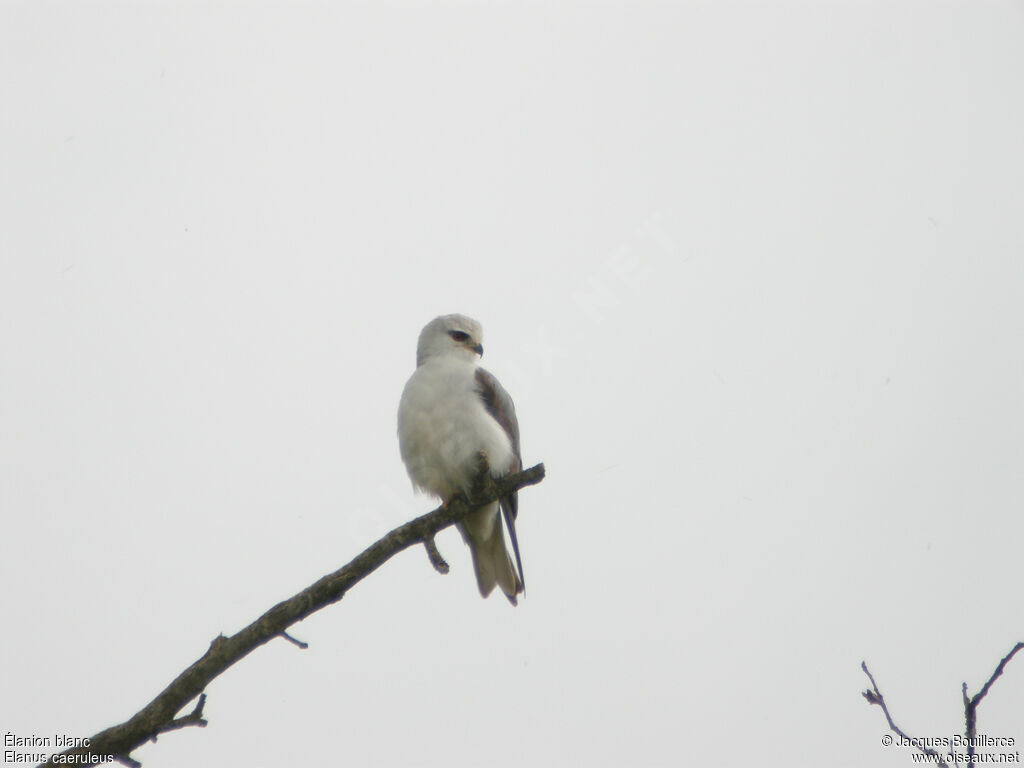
{"x":996,"y":674}
{"x":294,"y":641}
{"x":874,"y":696}
{"x":439,"y":563}
{"x":193,"y":718}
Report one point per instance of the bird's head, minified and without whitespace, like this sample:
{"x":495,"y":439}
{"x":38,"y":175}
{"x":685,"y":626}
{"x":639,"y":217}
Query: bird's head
{"x":450,"y":336}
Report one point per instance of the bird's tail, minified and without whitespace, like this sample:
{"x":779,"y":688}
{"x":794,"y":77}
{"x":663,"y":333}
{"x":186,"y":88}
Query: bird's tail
{"x":481,"y":530}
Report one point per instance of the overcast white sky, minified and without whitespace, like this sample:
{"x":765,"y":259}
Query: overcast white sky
{"x":752,"y":272}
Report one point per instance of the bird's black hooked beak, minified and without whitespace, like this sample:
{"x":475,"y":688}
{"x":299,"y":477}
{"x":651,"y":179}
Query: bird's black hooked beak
{"x":479,"y":349}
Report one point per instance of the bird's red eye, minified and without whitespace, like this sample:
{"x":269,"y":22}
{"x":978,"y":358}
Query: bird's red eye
{"x":459,"y":336}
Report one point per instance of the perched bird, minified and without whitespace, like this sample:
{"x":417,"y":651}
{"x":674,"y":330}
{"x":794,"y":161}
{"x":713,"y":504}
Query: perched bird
{"x":451,"y":411}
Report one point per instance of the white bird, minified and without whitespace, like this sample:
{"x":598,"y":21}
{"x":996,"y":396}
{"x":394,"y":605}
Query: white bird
{"x":451,"y":411}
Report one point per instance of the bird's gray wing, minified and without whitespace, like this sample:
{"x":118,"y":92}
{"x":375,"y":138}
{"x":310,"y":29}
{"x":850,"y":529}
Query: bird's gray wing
{"x":499,"y":404}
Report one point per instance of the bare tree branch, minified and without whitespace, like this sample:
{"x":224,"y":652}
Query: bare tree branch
{"x":874,"y":696}
{"x":435,"y":556}
{"x":159,"y":715}
{"x":294,"y":641}
{"x":195,"y":717}
{"x":971,"y":704}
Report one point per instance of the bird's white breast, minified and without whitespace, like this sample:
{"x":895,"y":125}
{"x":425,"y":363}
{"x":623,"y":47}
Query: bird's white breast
{"x":443,"y":426}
